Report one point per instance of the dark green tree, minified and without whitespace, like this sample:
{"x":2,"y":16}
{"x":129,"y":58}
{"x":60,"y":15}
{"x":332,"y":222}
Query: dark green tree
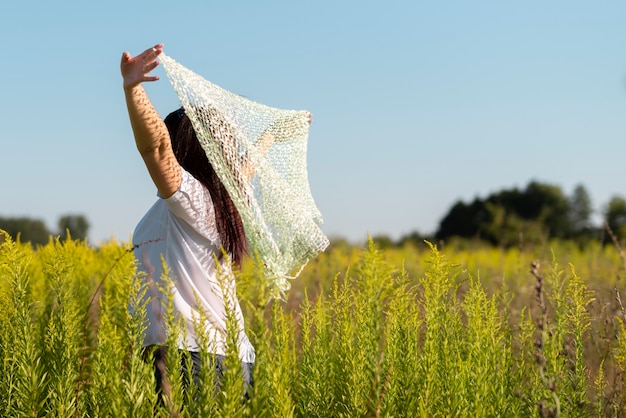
{"x":615,"y":216}
{"x":464,"y":220}
{"x":547,"y":204}
{"x":382,"y":241}
{"x":510,"y":216}
{"x":77,"y":225}
{"x":28,"y":230}
{"x":580,"y":211}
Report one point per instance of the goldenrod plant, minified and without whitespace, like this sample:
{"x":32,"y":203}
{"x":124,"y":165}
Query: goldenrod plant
{"x":417,"y":331}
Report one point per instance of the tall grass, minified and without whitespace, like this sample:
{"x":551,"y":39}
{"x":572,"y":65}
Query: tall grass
{"x":416,"y":332}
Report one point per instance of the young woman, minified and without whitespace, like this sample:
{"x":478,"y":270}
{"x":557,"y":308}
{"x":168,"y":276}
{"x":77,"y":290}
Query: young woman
{"x":190,"y":227}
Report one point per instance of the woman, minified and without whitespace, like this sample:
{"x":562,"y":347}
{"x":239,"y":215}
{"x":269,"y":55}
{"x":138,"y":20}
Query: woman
{"x":191,"y":226}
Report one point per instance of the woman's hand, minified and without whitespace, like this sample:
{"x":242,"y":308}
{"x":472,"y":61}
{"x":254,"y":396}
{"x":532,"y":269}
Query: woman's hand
{"x":135,"y":70}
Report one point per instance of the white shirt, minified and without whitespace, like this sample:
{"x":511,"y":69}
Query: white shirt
{"x":182,"y":230}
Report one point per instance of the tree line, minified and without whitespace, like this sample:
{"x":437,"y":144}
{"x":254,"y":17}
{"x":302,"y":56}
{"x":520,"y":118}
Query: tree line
{"x":533,"y":214}
{"x":504,"y":218}
{"x":36,"y":232}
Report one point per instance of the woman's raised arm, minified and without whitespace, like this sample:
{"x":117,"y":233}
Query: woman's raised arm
{"x":151,"y":135}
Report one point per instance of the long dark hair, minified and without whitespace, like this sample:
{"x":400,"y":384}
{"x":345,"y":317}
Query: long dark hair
{"x":192,"y":158}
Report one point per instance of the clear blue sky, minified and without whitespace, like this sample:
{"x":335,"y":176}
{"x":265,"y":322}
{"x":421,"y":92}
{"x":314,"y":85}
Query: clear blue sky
{"x":416,"y":104}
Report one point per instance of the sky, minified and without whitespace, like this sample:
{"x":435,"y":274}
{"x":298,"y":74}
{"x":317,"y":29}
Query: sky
{"x":416,"y":105}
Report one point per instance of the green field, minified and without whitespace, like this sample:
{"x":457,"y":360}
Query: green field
{"x":465,"y":330}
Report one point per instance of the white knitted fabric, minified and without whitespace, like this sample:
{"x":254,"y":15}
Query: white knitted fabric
{"x":259,"y":154}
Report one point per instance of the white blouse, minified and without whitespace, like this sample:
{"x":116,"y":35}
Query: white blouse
{"x":182,"y":231}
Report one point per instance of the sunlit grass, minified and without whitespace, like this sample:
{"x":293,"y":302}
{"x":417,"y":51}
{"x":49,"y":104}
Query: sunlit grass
{"x":454,"y":331}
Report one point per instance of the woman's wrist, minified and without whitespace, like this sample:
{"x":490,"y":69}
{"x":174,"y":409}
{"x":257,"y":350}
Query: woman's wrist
{"x":129,"y":86}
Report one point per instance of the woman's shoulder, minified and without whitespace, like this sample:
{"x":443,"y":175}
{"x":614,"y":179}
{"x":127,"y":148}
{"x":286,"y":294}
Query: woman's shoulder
{"x":190,"y":188}
{"x":192,"y":203}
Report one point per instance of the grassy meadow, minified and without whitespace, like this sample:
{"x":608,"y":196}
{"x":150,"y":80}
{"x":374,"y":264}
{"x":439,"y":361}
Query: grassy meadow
{"x":463,"y":330}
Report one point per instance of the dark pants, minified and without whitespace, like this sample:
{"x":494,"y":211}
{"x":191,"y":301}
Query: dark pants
{"x":159,"y":355}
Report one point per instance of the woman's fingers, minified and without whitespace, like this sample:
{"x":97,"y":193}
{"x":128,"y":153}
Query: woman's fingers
{"x":150,"y":54}
{"x":150,"y":66}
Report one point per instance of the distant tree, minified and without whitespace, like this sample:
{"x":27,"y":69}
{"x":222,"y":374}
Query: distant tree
{"x":77,"y":225}
{"x":506,"y":228}
{"x":547,"y":204}
{"x":580,"y":210}
{"x":463,"y":220}
{"x":508,"y":216}
{"x":615,"y":216}
{"x":382,"y":242}
{"x":28,"y":230}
